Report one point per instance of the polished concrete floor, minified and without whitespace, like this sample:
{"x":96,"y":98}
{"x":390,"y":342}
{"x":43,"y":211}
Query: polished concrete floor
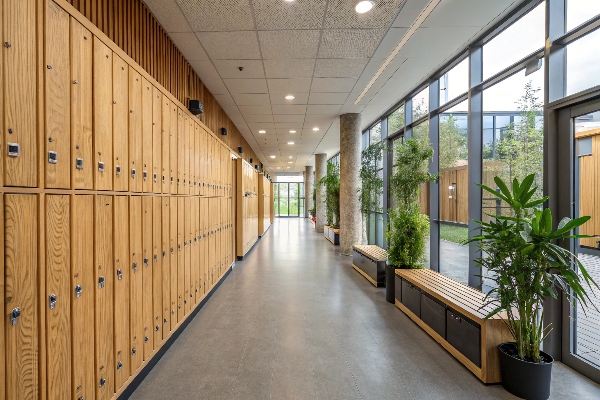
{"x":295,"y":321}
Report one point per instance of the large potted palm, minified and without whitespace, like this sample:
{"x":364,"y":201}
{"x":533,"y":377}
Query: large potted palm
{"x":522,"y":257}
{"x":408,"y":228}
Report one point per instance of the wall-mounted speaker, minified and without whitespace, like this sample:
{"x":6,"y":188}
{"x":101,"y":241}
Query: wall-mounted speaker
{"x":256,"y":167}
{"x":240,"y":150}
{"x":250,"y":160}
{"x":224,"y":131}
{"x":195,"y":107}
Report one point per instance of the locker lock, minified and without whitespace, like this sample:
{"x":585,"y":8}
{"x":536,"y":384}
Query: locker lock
{"x":163,"y":179}
{"x":100,"y":282}
{"x":171,"y":180}
{"x":164,"y":254}
{"x":154,"y":178}
{"x":78,"y":290}
{"x":134,"y":267}
{"x":118,"y":170}
{"x":146,"y":261}
{"x":79,"y":163}
{"x":100,"y":166}
{"x":177,"y":181}
{"x":145,"y":175}
{"x":146,"y":339}
{"x":156,"y":328}
{"x":155,"y":258}
{"x":119,"y":274}
{"x":133,"y":351}
{"x":52,"y":157}
{"x":14,"y":149}
{"x":119,"y":365}
{"x":102,"y":382}
{"x":132,"y":173}
{"x":185,"y":244}
{"x":14,"y":315}
{"x":171,"y":250}
{"x":172,"y":312}
{"x":52,"y":301}
{"x":165,"y":320}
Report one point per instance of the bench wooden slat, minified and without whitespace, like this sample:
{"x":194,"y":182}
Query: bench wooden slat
{"x":374,"y":252}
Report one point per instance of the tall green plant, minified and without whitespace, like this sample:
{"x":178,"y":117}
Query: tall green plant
{"x":371,"y":183}
{"x":331,"y":181}
{"x":527,"y":265}
{"x":411,"y":170}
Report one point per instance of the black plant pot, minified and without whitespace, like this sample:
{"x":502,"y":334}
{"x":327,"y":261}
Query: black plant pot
{"x":523,"y":378}
{"x":390,"y":283}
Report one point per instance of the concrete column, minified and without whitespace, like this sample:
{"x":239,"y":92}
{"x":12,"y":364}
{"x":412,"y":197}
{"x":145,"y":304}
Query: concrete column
{"x":321,"y":169}
{"x":350,"y":157}
{"x":309,"y":183}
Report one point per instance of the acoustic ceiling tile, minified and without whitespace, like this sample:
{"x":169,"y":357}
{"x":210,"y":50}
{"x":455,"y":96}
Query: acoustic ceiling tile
{"x":258,"y":118}
{"x":251,"y":99}
{"x":332,"y":85}
{"x":205,"y":69}
{"x":350,"y":43}
{"x":340,"y":68}
{"x":303,"y":14}
{"x":289,"y":109}
{"x":217,"y":15}
{"x":246,"y":85}
{"x":284,"y":127}
{"x":326,"y":114}
{"x":299,"y":118}
{"x":296,"y":85}
{"x":249,"y":110}
{"x":224,"y":100}
{"x":289,"y":44}
{"x":189,"y":45}
{"x":169,"y":15}
{"x":279,"y":98}
{"x":230,"y":45}
{"x":328,"y":98}
{"x":341,"y":14}
{"x":352,"y":108}
{"x":215,"y":86}
{"x":389,"y":42}
{"x":231,"y":69}
{"x":292,"y":68}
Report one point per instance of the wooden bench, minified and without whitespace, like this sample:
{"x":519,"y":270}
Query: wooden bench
{"x":369,"y":261}
{"x":452,"y":314}
{"x":332,"y":234}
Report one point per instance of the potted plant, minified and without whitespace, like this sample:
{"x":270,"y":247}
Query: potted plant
{"x":331,"y":181}
{"x":371,"y":188}
{"x":521,"y":256}
{"x":408,"y":228}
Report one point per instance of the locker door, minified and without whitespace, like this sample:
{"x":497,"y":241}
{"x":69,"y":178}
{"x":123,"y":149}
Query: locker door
{"x":186,"y":154}
{"x":195,"y":150}
{"x":104,"y":288}
{"x":122,"y":285}
{"x":202,"y":250}
{"x":180,"y":258}
{"x":135,"y":131}
{"x":58,"y":310}
{"x":120,"y":124}
{"x":206,"y":238}
{"x":81,"y":107}
{"x":166,"y":140}
{"x":20,"y":294}
{"x":136,"y":334}
{"x":173,"y":151}
{"x":58,"y":98}
{"x":194,"y":250}
{"x":103,"y":105}
{"x":147,"y":290}
{"x":187,"y":248}
{"x":166,"y":266}
{"x":180,"y":151}
{"x":20,"y":86}
{"x":202,"y":161}
{"x":82,"y":292}
{"x":157,"y":270}
{"x":147,"y":167}
{"x":210,"y":250}
{"x":156,"y":140}
{"x":173,"y":254}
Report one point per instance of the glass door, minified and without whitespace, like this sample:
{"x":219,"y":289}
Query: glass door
{"x":289,"y":199}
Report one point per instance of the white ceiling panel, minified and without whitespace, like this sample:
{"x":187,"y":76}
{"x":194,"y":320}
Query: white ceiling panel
{"x":439,"y":41}
{"x":332,"y":85}
{"x":258,"y":126}
{"x":328,"y":98}
{"x":215,"y":86}
{"x":304,"y":14}
{"x":205,"y":69}
{"x":375,"y":63}
{"x":389,"y":42}
{"x":249,"y":110}
{"x":241,"y":45}
{"x":231,"y":69}
{"x":294,"y":68}
{"x":289,"y":44}
{"x":189,"y":45}
{"x":224,"y":100}
{"x":284,"y":127}
{"x":169,"y":15}
{"x":289,"y":85}
{"x":251,"y":99}
{"x":341,"y":14}
{"x":246,"y":85}
{"x":218,"y":15}
{"x":279,"y":98}
{"x":348,"y":43}
{"x":258,"y":118}
{"x":409,"y":13}
{"x":481,"y":12}
{"x":320,"y":119}
{"x":340,"y":68}
{"x":299,"y":118}
{"x":289,"y":109}
{"x":351,"y":108}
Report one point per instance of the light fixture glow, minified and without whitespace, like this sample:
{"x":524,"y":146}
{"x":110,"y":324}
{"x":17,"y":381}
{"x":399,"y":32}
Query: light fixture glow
{"x":290,"y":97}
{"x":261,"y":131}
{"x":292,"y":131}
{"x":290,"y":157}
{"x":289,"y":162}
{"x":290,"y":142}
{"x":272,"y":156}
{"x":363,"y":6}
{"x":289,"y":167}
{"x":315,"y":129}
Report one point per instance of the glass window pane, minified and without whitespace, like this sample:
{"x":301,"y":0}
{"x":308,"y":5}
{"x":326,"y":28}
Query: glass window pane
{"x":420,"y":104}
{"x":583,"y":59}
{"x":579,"y":11}
{"x":517,"y":41}
{"x":454,"y":82}
{"x":421,"y":131}
{"x":376,"y":134}
{"x":283,"y":199}
{"x":396,"y":120}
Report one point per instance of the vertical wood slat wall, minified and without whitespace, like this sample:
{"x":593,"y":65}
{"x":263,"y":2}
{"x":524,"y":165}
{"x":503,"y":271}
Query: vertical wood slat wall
{"x":99,"y":265}
{"x":131,"y":25}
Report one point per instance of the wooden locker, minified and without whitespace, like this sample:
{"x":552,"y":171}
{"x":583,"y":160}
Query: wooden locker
{"x":156,"y":140}
{"x":186,"y":154}
{"x":210,"y":250}
{"x":19,"y":77}
{"x":57,"y":98}
{"x":147,"y":310}
{"x":202,"y":247}
{"x":188,"y":253}
{"x":202,"y":161}
{"x":174,"y":255}
{"x":136,"y":301}
{"x":20,"y":294}
{"x":173,"y":151}
{"x":157,"y":270}
{"x":180,"y":258}
{"x":58,"y":295}
{"x":122,"y":287}
{"x":82,"y":292}
{"x":120,"y":124}
{"x":206,"y":236}
{"x":166,"y":266}
{"x":104,"y":289}
{"x":147,"y":185}
{"x":103,"y":105}
{"x":135,"y":131}
{"x":180,"y":152}
{"x":195,"y":149}
{"x":166,"y":140}
{"x":195,"y":247}
{"x":81,"y":107}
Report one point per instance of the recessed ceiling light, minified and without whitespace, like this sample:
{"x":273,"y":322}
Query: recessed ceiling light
{"x":315,"y":129}
{"x":289,"y":167}
{"x":290,"y":156}
{"x":272,"y":156}
{"x":290,"y":97}
{"x":292,"y":131}
{"x":290,"y":142}
{"x":261,"y":131}
{"x":289,"y":162}
{"x":363,"y":6}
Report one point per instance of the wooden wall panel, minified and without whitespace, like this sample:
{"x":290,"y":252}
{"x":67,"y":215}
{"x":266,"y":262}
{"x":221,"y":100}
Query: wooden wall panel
{"x":122,"y":287}
{"x":103,"y":105}
{"x":135,"y":131}
{"x":136,"y":301}
{"x":120,"y":124}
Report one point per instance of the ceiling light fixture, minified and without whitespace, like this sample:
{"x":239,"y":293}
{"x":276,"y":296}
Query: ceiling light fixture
{"x":290,"y":142}
{"x":261,"y":131}
{"x":272,"y":156}
{"x":289,"y":162}
{"x":315,"y":129}
{"x":290,"y":97}
{"x":290,"y":157}
{"x":292,"y":131}
{"x":363,"y":7}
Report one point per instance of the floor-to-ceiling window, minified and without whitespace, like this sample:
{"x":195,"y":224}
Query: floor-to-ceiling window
{"x":289,"y":199}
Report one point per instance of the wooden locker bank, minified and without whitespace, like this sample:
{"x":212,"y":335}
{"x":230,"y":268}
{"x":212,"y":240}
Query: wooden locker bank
{"x":116,"y":208}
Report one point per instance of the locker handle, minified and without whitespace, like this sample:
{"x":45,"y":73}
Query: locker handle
{"x":100,"y":166}
{"x":134,"y":267}
{"x":145,"y":175}
{"x":456,"y":317}
{"x":146,"y":262}
{"x":78,"y":290}
{"x":118,"y":170}
{"x":119,"y":365}
{"x":154,"y":177}
{"x":132,"y":173}
{"x":155,"y":258}
{"x":119,"y":274}
{"x":52,"y":301}
{"x":14,"y":315}
{"x":164,"y":254}
{"x":100,"y":282}
{"x":102,"y":382}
